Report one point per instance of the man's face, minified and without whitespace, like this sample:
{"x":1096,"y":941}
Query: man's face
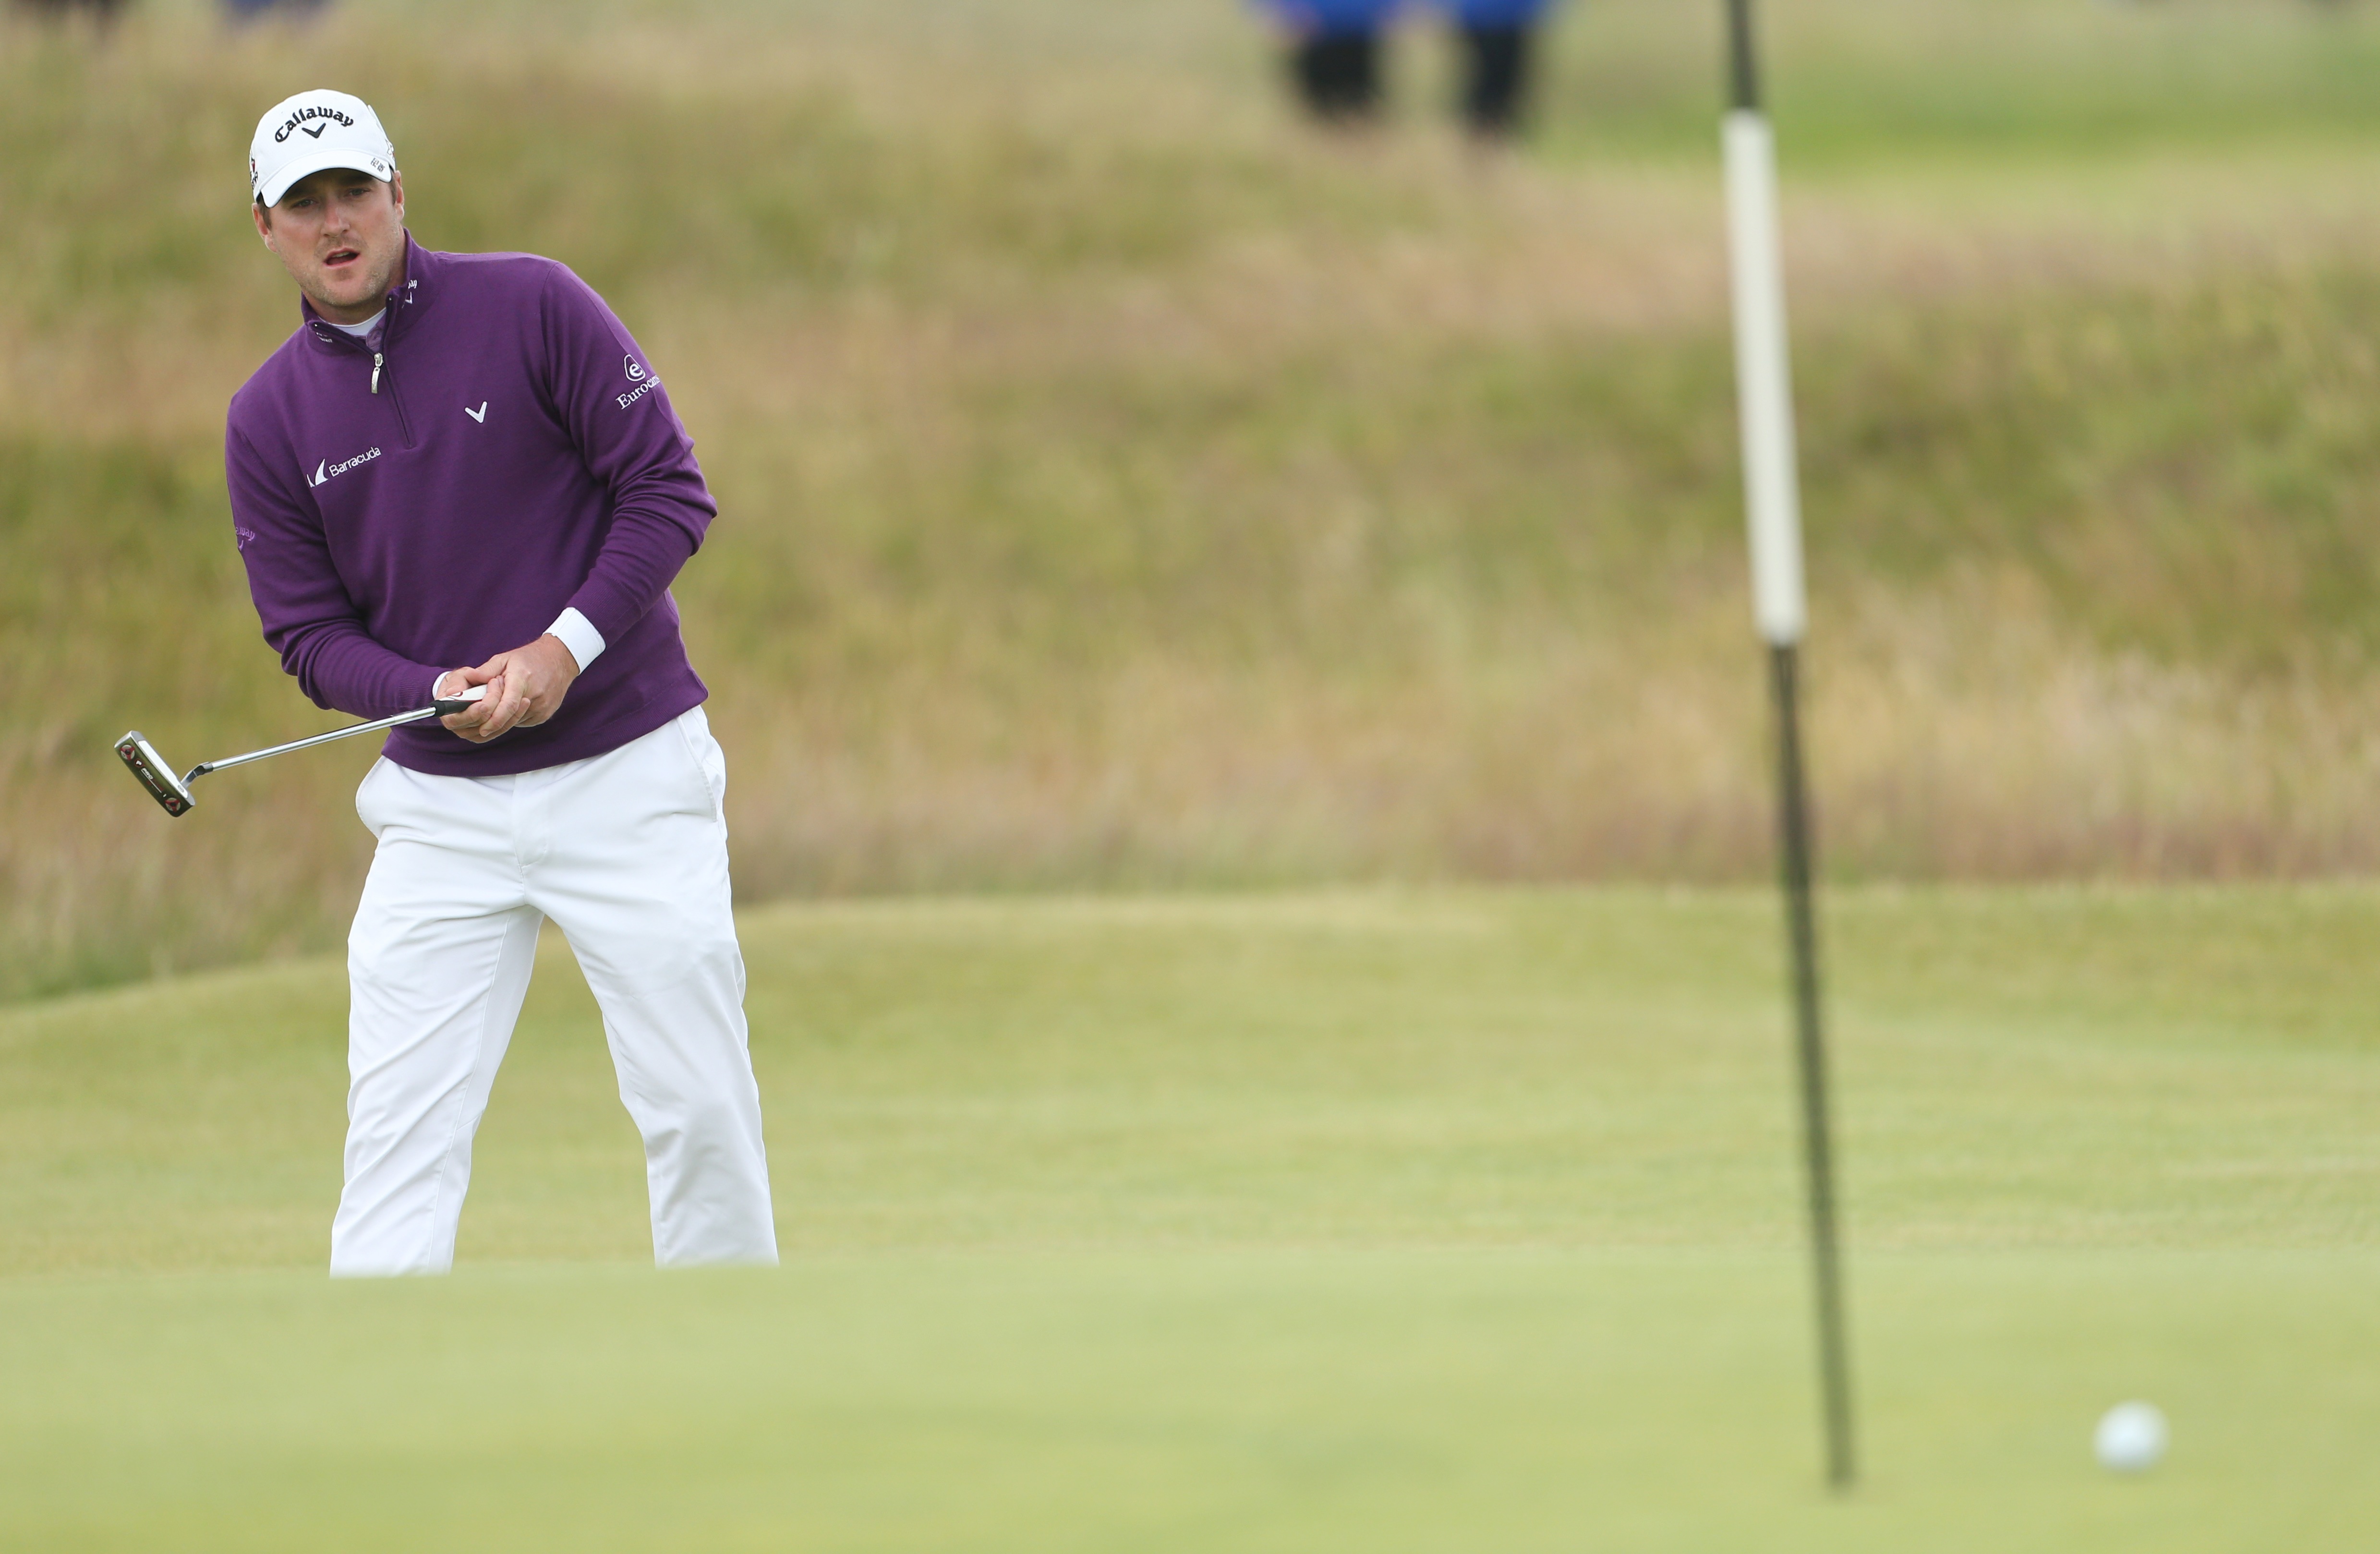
{"x":340,"y":233}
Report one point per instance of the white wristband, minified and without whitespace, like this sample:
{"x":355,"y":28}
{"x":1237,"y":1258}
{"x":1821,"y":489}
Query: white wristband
{"x":577,"y":634}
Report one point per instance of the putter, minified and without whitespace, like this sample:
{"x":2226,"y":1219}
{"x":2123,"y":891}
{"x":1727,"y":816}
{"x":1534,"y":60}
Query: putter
{"x":172,"y":794}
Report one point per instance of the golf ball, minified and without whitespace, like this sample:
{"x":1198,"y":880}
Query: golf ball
{"x":2131,"y":1437}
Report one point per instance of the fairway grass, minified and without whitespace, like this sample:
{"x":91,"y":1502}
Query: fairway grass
{"x":1408,"y":1400}
{"x":1443,"y":1220}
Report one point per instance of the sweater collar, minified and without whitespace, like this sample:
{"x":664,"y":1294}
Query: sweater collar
{"x":408,"y":297}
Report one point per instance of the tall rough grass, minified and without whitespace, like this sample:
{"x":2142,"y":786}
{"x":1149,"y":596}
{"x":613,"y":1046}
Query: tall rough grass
{"x":1122,"y":486}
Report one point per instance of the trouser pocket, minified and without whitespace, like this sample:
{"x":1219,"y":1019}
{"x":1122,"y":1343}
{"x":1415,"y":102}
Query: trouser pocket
{"x":372,"y":814}
{"x":710,"y":761}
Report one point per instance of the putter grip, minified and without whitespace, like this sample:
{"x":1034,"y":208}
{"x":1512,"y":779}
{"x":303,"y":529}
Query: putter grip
{"x":447,"y":705}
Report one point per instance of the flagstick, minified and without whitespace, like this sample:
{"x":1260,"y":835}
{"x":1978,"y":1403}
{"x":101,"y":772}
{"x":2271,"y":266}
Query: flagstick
{"x":1773,"y":510}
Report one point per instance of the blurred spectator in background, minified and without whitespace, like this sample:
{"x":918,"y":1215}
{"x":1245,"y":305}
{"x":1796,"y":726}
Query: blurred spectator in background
{"x":1497,"y":40}
{"x":242,"y":12}
{"x":1334,"y":54}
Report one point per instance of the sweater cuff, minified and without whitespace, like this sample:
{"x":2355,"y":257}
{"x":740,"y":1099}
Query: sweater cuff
{"x":577,"y":634}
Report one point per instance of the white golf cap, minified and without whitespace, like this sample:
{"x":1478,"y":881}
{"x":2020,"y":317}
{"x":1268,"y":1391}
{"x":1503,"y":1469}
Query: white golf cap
{"x":313,"y":130}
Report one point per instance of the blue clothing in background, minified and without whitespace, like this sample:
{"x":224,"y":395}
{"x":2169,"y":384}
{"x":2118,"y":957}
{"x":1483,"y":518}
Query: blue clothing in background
{"x":1333,"y":17}
{"x":252,"y":10}
{"x":1496,"y":13}
{"x":1335,"y":47}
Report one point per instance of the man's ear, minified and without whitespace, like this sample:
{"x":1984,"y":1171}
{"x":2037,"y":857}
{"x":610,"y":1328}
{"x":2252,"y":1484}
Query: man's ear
{"x":263,"y":222}
{"x":396,"y":194}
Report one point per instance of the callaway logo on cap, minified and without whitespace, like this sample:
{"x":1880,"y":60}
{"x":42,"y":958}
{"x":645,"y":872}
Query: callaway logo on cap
{"x":311,"y":131}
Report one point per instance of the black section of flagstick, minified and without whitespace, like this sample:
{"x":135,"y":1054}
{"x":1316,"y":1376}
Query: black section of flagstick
{"x":1742,"y":64}
{"x":1802,"y":929}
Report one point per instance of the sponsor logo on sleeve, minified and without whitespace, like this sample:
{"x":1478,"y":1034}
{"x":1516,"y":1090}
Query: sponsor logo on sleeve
{"x":242,"y":538}
{"x":638,"y":376}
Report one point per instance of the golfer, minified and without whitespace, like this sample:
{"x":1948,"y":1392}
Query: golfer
{"x":461,"y":471}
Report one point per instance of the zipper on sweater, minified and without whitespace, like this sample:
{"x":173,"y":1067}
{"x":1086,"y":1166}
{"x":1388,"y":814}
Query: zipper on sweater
{"x":379,"y":359}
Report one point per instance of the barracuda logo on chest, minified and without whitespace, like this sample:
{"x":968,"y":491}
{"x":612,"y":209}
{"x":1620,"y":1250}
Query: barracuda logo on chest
{"x":326,"y":471}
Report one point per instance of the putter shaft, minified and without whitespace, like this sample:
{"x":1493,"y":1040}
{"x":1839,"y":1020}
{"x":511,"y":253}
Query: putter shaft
{"x":172,"y":794}
{"x":434,"y":710}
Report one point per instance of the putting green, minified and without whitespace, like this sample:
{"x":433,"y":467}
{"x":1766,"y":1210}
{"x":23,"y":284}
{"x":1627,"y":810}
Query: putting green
{"x":1428,"y":1221}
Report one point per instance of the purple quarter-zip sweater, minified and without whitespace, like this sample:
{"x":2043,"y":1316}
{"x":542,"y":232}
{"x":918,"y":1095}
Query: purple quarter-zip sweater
{"x":509,"y":454}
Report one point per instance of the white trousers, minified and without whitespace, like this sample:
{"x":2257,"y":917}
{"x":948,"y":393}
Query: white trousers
{"x":627,"y":853}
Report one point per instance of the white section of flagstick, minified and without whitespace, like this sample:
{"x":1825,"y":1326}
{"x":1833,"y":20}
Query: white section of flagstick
{"x":1765,"y":396}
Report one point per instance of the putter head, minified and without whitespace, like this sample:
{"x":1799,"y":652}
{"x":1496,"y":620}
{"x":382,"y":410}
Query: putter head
{"x":170,"y":792}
